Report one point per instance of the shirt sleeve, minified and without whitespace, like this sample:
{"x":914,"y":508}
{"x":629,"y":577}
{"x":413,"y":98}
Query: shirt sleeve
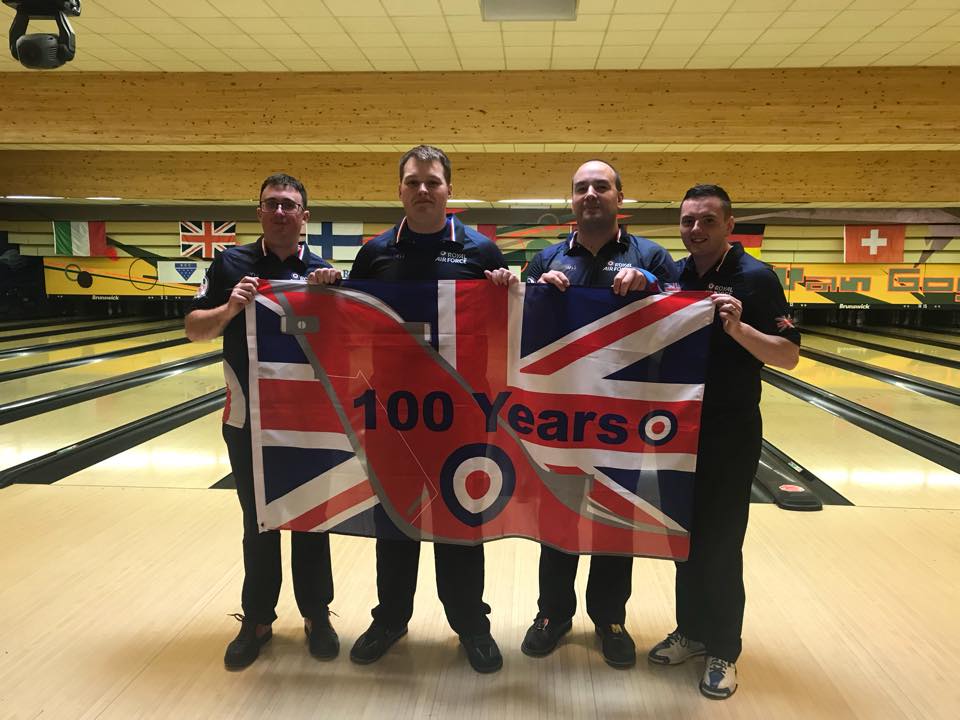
{"x":771,"y":311}
{"x":212,"y":292}
{"x":536,"y":268}
{"x":494,"y":258}
{"x":663,"y":266}
{"x":361,"y":268}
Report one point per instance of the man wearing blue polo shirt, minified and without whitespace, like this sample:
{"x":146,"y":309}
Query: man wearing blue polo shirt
{"x":229,"y":286}
{"x":427,"y":245}
{"x":752,"y":329}
{"x":601,"y":254}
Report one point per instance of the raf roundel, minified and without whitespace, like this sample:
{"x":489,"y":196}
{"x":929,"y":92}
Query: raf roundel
{"x":658,"y":427}
{"x":477,"y":481}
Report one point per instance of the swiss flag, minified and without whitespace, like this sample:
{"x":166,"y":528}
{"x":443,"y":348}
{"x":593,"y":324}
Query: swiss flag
{"x":873,"y":243}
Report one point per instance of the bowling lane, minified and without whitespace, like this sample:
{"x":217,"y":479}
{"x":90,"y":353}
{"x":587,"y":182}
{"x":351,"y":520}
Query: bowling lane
{"x":864,"y":468}
{"x":18,"y":362}
{"x":58,"y":326}
{"x":926,"y":413}
{"x":32,"y":437}
{"x":917,"y":334}
{"x":90,"y":372}
{"x":896,"y":363}
{"x":190,"y":456}
{"x":911,"y":345}
{"x":92,"y":335}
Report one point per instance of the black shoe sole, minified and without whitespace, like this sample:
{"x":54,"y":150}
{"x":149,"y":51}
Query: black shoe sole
{"x":716,"y":696}
{"x":529,"y":652}
{"x":618,"y":664}
{"x":240,"y":666}
{"x":368,"y":661}
{"x":321,"y":656}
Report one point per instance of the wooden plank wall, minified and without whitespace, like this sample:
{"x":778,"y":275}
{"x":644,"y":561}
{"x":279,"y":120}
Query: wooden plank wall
{"x":891,"y":133}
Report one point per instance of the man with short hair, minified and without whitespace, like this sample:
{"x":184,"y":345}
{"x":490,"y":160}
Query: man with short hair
{"x":229,"y":286}
{"x":602,"y":254}
{"x":753,"y":328}
{"x":427,"y":245}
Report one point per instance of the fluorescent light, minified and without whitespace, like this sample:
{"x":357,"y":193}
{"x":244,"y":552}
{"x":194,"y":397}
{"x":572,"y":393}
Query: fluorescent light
{"x":628,"y":200}
{"x":104,"y":197}
{"x":34,"y":197}
{"x":511,"y":10}
{"x":535,"y":201}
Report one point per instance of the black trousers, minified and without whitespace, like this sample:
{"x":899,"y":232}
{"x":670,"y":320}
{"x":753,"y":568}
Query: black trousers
{"x":710,"y":594}
{"x":459,"y":571}
{"x":608,"y":586}
{"x":310,"y":551}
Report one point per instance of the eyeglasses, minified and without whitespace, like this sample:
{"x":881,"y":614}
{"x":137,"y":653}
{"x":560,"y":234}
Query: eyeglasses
{"x":287,"y":206}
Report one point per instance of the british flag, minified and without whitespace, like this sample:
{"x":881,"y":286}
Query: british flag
{"x":206,"y":238}
{"x":463,"y":412}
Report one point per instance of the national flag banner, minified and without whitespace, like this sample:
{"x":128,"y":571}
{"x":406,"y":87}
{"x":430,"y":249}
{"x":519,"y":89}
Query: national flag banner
{"x":206,"y":238}
{"x":873,"y":243}
{"x":750,"y":236}
{"x":81,"y":239}
{"x":190,"y":272}
{"x":335,"y":240}
{"x":460,"y":411}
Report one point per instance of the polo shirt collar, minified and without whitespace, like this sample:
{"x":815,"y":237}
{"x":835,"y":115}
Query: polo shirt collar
{"x":454,"y":231}
{"x":726,"y":262}
{"x":620,"y":239}
{"x":302,"y":253}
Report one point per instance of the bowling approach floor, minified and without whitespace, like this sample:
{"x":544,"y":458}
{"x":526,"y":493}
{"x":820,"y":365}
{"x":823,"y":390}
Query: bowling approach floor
{"x":119,"y":578}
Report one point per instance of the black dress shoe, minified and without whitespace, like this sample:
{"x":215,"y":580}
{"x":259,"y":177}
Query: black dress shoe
{"x":617,"y":646}
{"x":371,"y":646}
{"x":482,"y":652}
{"x":245,"y":647}
{"x":542,"y":637}
{"x":322,"y":638}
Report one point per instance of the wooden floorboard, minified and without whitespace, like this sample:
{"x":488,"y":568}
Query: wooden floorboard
{"x":117,"y":603}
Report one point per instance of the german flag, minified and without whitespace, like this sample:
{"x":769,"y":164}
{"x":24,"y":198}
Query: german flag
{"x":750,"y":236}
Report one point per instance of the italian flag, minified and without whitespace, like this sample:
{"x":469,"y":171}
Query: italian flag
{"x":80,"y":239}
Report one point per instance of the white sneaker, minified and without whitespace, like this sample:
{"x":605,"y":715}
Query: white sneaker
{"x":719,"y":679}
{"x":675,"y":649}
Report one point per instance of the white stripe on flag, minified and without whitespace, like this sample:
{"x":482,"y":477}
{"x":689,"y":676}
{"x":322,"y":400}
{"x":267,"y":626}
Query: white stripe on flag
{"x":447,"y":320}
{"x":306,"y":439}
{"x":285,"y":371}
{"x":80,"y":238}
{"x":590,"y":458}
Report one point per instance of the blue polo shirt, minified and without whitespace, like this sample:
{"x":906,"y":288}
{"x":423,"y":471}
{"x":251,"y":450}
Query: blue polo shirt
{"x":622,"y":251}
{"x":224,"y":273}
{"x":733,"y":374}
{"x":401,"y":255}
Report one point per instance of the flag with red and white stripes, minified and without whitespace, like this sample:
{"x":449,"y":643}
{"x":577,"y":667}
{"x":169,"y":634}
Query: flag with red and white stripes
{"x":459,"y":411}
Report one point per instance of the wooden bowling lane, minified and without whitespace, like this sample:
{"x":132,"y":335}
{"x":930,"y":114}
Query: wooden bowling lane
{"x":918,"y":334}
{"x":862,"y":467}
{"x":90,"y":335}
{"x":190,"y":456}
{"x":90,"y":372}
{"x":35,"y":436}
{"x":60,"y":327}
{"x":121,"y":598}
{"x":897,"y":363}
{"x":94,"y":348}
{"x":926,"y":413}
{"x":910,"y":345}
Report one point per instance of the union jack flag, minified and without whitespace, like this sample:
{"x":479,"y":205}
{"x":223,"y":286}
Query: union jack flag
{"x":463,"y":412}
{"x":206,"y":238}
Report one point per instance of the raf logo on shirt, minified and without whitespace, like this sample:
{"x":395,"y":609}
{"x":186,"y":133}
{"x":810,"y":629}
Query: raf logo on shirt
{"x":720,"y":288}
{"x":452,"y":257}
{"x":617,"y":266}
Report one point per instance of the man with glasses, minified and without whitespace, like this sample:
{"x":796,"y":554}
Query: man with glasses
{"x":601,"y":254}
{"x":427,"y":245}
{"x":230,"y":285}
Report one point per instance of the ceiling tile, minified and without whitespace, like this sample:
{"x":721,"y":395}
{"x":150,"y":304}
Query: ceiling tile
{"x":411,"y":7}
{"x":427,"y":40}
{"x":682,"y":37}
{"x":386,"y":53}
{"x":233,"y":40}
{"x":187,"y":40}
{"x":136,"y":42}
{"x":159,"y":26}
{"x":541,"y":39}
{"x":299,"y":9}
{"x":377,"y":41}
{"x":328,"y":40}
{"x":748,"y":20}
{"x":243,"y":8}
{"x":187,"y":8}
{"x":807,"y":19}
{"x":637,"y":37}
{"x":129,"y":8}
{"x":867,"y":19}
{"x":421,"y":24}
{"x":367,"y":24}
{"x":263,"y":26}
{"x":578,"y":38}
{"x":643,"y":6}
{"x":210,"y":26}
{"x":636,"y":22}
{"x":691,"y":21}
{"x":787,"y":35}
{"x":344,"y":8}
{"x":723,"y":36}
{"x":594,"y":7}
{"x":314,"y":25}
